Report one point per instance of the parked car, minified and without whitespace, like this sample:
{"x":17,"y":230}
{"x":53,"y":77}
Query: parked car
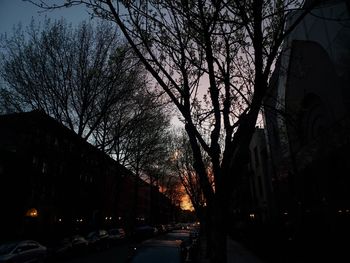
{"x":194,"y":233}
{"x":116,"y":235}
{"x":143,"y":232}
{"x":23,"y":251}
{"x":79,"y":244}
{"x":61,"y":248}
{"x":188,"y":243}
{"x":161,"y":229}
{"x":98,"y":239}
{"x":157,"y":251}
{"x":69,"y":246}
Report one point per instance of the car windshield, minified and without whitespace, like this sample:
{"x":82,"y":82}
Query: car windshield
{"x":92,"y":234}
{"x":103,"y":232}
{"x":7,"y":248}
{"x":115,"y":231}
{"x":157,"y":255}
{"x":180,"y":236}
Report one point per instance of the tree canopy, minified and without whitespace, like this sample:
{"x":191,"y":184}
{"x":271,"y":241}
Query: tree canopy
{"x":213,"y":58}
{"x":75,"y":75}
{"x":88,"y":79}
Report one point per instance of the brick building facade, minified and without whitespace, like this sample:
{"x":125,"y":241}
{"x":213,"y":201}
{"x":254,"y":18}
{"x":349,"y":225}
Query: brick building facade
{"x":53,"y":181}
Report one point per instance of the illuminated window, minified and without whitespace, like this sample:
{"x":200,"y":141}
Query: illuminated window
{"x":44,"y":168}
{"x":35,"y":161}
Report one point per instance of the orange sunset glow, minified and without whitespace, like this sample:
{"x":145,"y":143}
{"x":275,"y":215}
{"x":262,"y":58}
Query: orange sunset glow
{"x":186,"y":203}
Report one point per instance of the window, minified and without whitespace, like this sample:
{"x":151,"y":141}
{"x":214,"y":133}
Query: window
{"x":44,"y":168}
{"x":61,"y":169}
{"x":35,"y":161}
{"x":48,"y":139}
{"x":56,"y":142}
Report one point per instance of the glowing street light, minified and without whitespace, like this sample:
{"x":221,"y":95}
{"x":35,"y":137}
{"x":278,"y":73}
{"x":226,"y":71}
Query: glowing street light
{"x":32,"y":212}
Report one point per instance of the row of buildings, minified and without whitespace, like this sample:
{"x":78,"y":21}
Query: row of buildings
{"x":300,"y":160}
{"x":53,"y":181}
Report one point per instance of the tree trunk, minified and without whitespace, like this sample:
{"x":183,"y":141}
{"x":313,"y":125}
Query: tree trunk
{"x":217,"y":233}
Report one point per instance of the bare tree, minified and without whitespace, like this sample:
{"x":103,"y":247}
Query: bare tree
{"x":182,"y":165}
{"x":222,"y":49}
{"x":140,"y":141}
{"x":75,"y":75}
{"x":89,"y":80}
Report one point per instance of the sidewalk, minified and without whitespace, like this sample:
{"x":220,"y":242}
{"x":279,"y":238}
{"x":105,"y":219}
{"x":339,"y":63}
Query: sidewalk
{"x":236,"y":253}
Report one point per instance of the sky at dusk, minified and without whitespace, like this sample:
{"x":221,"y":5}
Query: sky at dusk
{"x":13,"y":12}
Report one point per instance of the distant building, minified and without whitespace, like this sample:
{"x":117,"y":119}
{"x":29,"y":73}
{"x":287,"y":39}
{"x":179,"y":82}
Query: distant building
{"x":308,"y":121}
{"x":53,"y":182}
{"x":260,"y":180}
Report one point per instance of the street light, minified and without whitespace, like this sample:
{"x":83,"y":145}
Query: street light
{"x":32,"y":212}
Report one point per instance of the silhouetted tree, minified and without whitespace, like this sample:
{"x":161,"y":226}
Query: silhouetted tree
{"x":77,"y":76}
{"x":222,"y":49}
{"x":139,"y":140}
{"x":182,"y":165}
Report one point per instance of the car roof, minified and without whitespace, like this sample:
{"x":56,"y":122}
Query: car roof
{"x":116,"y":229}
{"x":181,"y":231}
{"x":28,"y":241}
{"x":180,"y":236}
{"x":161,"y":243}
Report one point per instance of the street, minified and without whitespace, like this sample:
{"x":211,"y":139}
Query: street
{"x":115,"y":254}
